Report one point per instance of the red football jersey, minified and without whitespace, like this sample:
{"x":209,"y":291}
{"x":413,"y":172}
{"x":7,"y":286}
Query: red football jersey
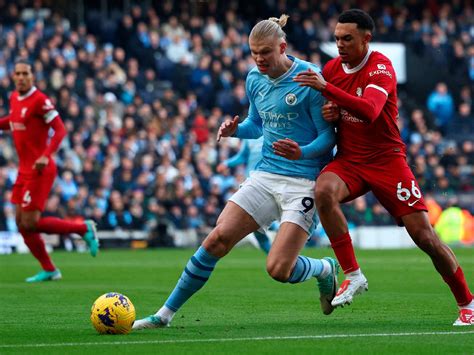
{"x":30,"y":117}
{"x":359,"y":140}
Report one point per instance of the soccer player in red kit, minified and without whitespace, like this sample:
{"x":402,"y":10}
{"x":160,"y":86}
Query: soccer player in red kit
{"x":32,"y":116}
{"x":361,"y":87}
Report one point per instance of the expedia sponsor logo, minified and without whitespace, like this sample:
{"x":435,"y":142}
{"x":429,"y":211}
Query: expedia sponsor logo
{"x":377,"y":72}
{"x":291,"y":99}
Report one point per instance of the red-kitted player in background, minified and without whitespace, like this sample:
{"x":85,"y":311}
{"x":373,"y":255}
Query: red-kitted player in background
{"x":30,"y":119}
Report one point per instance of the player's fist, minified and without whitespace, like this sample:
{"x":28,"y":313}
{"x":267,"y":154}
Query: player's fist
{"x":228,"y":128}
{"x":331,"y":112}
{"x":287,"y":148}
{"x":41,"y":163}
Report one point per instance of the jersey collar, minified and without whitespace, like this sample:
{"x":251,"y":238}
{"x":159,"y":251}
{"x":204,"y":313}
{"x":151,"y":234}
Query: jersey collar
{"x":359,"y":67}
{"x":28,"y":94}
{"x":284,"y":75}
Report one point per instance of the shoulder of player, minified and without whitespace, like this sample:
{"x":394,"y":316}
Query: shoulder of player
{"x":252,"y":80}
{"x":253,"y":73}
{"x":379,"y":58}
{"x":42,"y":100}
{"x":303,"y":65}
{"x":40,"y":96}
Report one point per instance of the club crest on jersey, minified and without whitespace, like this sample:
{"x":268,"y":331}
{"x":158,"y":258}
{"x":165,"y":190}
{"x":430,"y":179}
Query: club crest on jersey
{"x":291,"y":99}
{"x":359,"y":92}
{"x":381,"y":66}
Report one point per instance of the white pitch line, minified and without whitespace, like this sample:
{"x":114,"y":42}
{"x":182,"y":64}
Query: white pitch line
{"x":222,"y":340}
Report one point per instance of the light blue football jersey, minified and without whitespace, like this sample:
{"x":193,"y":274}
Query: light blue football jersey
{"x":280,"y":108}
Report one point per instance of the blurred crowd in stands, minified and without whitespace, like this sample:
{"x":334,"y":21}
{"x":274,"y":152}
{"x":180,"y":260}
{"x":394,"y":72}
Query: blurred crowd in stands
{"x":143,"y":92}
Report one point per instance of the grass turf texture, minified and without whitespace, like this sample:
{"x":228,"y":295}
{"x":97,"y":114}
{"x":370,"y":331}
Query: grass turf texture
{"x":240,"y":310}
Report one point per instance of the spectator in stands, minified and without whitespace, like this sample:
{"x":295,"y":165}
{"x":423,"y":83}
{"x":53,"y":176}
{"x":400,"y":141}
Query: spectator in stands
{"x":441,"y":105}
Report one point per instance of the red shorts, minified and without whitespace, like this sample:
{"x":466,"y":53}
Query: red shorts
{"x":31,"y":190}
{"x":392,"y":182}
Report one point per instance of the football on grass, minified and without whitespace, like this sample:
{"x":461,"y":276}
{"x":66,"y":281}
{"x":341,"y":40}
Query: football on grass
{"x":112,"y":313}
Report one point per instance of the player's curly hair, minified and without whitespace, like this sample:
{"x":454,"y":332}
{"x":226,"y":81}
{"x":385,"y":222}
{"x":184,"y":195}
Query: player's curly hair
{"x":271,"y":27}
{"x":359,"y":17}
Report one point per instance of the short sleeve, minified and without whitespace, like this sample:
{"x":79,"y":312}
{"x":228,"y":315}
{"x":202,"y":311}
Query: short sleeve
{"x":382,"y":77}
{"x":47,"y":109}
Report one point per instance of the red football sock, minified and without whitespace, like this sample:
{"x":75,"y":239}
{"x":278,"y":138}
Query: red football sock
{"x":36,"y":245}
{"x":457,"y":284}
{"x":53,"y":225}
{"x":344,"y":251}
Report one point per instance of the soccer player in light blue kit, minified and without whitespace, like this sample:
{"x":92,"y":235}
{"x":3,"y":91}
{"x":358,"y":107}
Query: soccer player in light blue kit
{"x":250,"y":154}
{"x":297,"y":143}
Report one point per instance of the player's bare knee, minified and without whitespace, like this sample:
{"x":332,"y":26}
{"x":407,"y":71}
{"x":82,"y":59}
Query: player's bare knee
{"x":278,"y":271}
{"x":325,"y":197}
{"x":217,"y":243}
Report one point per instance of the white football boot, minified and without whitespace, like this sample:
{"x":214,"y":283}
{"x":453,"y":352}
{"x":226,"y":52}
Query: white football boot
{"x":350,"y":287}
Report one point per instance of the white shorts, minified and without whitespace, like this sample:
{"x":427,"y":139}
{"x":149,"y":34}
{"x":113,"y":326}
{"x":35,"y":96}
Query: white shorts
{"x":268,"y":197}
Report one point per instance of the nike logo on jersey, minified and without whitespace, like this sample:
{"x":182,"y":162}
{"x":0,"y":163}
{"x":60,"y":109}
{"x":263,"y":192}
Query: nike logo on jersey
{"x":412,"y":203}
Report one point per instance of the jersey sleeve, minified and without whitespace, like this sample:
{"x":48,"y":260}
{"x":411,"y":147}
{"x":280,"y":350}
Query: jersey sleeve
{"x":382,"y":78}
{"x":46,"y":109}
{"x":5,"y":123}
{"x":251,"y":127}
{"x":326,"y":138}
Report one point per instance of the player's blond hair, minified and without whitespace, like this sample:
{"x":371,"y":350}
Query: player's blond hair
{"x":271,"y":27}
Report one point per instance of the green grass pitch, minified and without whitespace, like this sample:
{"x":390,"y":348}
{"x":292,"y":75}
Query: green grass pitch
{"x":241,"y":310}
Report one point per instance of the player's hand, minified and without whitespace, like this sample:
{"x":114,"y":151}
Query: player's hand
{"x":221,"y":168}
{"x":331,"y":112}
{"x":287,"y":148}
{"x":311,"y":79}
{"x":228,"y":128}
{"x":41,"y":163}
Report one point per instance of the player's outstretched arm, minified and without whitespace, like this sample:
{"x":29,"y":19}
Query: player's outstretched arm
{"x":5,"y":123}
{"x":228,"y":128}
{"x":311,"y":79}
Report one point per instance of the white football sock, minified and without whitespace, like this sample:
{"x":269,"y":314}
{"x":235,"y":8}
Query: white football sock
{"x":469,"y":306}
{"x":354,"y":274}
{"x":326,"y":269}
{"x":165,"y":314}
